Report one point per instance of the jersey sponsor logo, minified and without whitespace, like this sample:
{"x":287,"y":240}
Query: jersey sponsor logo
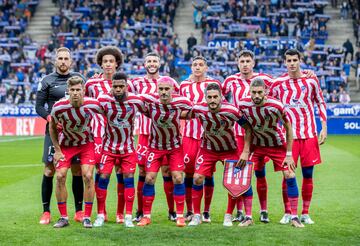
{"x":237,"y":181}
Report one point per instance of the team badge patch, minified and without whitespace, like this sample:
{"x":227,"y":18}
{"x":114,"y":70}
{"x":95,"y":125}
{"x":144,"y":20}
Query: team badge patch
{"x":237,"y":181}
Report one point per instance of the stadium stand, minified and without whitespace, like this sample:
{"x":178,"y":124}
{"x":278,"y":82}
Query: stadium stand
{"x":268,"y":28}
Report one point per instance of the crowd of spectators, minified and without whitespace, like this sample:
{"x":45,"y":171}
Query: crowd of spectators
{"x":268,"y":28}
{"x":19,"y":70}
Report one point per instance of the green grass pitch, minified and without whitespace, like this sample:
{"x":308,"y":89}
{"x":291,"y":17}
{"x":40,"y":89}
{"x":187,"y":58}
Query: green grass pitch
{"x":335,"y":206}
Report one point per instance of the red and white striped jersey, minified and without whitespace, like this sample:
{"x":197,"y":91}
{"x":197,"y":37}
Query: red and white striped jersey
{"x":120,"y":116}
{"x":195,"y":91}
{"x":75,"y":121}
{"x":94,"y":88}
{"x":299,"y":96}
{"x":142,"y":85}
{"x":218,"y":127}
{"x":240,"y":88}
{"x":264,"y":121}
{"x":165,"y":126}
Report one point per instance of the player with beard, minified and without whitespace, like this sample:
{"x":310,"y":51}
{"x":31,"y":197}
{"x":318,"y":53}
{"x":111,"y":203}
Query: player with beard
{"x":299,"y":94}
{"x":164,"y":109}
{"x":218,"y":142}
{"x":51,"y":89}
{"x":194,"y":89}
{"x":236,"y":87}
{"x":120,"y":109}
{"x":145,"y":85}
{"x":264,"y":115}
{"x":74,"y":115}
{"x":109,"y":58}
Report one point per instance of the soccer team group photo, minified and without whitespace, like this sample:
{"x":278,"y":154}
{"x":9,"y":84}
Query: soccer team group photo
{"x":174,"y":122}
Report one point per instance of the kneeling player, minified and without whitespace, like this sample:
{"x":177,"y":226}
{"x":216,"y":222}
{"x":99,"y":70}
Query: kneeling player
{"x":264,"y":114}
{"x":74,"y":115}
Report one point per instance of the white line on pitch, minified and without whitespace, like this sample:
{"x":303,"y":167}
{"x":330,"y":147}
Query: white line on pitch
{"x":18,"y":139}
{"x":21,"y":165}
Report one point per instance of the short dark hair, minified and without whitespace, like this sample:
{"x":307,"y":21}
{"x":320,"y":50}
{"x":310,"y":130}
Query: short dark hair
{"x":74,"y":80}
{"x":258,"y":82}
{"x":152,"y":54}
{"x":119,"y":76}
{"x":247,"y":53}
{"x":109,"y":50}
{"x":199,"y":58}
{"x":212,"y":86}
{"x":61,"y":49}
{"x":292,"y":52}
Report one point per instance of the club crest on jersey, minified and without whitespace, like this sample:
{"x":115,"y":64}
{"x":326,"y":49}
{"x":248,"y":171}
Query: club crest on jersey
{"x":87,"y":115}
{"x":303,"y":88}
{"x":128,"y":109}
{"x":267,"y":117}
{"x":237,"y":181}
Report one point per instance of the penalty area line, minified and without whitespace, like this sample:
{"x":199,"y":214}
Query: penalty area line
{"x":21,"y":165}
{"x":18,"y":139}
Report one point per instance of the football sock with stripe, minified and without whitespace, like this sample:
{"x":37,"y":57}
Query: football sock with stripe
{"x":139,"y":193}
{"x":293,"y":195}
{"x":148,"y":198}
{"x":88,"y":209}
{"x":248,"y":197}
{"x":287,"y":207}
{"x":62,"y":209}
{"x":197,"y":193}
{"x":101,"y":194}
{"x":179,"y":197}
{"x":129,"y":194}
{"x":307,"y":188}
{"x":231,"y":204}
{"x":168,"y":189}
{"x":120,"y":193}
{"x":261,"y":188}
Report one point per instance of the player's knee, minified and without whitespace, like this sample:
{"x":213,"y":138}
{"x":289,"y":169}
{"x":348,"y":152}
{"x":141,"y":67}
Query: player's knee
{"x":177,"y":178}
{"x":128,"y":175}
{"x":289,"y":175}
{"x":307,"y":172}
{"x":60,"y":178}
{"x":49,"y":170}
{"x":198,"y":179}
{"x":260,"y":173}
{"x":87,"y":177}
{"x":150,"y":179}
{"x":105,"y":176}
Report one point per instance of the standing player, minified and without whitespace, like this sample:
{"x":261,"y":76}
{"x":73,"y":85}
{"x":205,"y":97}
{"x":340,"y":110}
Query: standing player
{"x":165,"y":142}
{"x":146,"y":85}
{"x":264,"y":115}
{"x":299,"y":94}
{"x":236,"y":87}
{"x":74,"y":116}
{"x":109,"y":58}
{"x":120,"y":109}
{"x":51,"y":89}
{"x":194,"y":89}
{"x":218,"y":142}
